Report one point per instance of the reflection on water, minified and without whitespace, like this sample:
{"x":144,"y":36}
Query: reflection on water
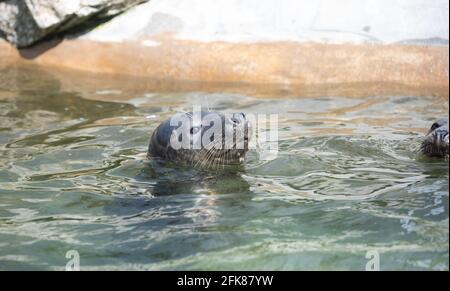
{"x":347,"y":179}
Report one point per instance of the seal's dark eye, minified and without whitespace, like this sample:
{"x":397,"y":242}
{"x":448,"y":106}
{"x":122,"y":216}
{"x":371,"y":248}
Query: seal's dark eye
{"x":211,"y":139}
{"x":434,"y":126}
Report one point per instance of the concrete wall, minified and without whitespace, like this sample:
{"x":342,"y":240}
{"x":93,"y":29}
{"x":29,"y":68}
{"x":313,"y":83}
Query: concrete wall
{"x":386,"y":21}
{"x":338,"y":47}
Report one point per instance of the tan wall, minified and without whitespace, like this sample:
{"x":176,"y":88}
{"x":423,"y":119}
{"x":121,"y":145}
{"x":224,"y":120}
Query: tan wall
{"x":296,"y":68}
{"x":265,"y":47}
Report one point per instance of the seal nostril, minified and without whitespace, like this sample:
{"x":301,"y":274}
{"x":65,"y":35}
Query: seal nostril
{"x":234,"y":120}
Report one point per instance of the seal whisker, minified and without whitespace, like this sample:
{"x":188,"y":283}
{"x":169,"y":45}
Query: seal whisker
{"x":205,"y":153}
{"x":209,"y":156}
{"x":210,"y":152}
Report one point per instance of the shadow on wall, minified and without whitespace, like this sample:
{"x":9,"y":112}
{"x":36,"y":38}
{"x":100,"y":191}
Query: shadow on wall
{"x":38,"y":49}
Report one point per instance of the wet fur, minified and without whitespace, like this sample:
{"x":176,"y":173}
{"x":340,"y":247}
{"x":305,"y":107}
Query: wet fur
{"x":436,"y":143}
{"x":159,"y":146}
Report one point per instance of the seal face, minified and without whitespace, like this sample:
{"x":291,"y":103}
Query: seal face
{"x":202,"y":138}
{"x":436,"y":141}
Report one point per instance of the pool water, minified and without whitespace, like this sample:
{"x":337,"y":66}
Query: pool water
{"x":347,"y":180}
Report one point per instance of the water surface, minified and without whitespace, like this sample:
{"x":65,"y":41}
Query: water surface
{"x":347,"y":180}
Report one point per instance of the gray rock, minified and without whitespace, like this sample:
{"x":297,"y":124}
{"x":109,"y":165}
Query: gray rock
{"x":25,"y":22}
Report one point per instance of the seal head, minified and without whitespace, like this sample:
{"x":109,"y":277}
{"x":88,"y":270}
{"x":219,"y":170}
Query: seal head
{"x":436,"y":141}
{"x":202,"y":138}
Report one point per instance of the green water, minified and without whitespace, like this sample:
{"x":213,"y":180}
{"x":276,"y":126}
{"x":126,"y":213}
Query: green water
{"x":347,"y":180}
